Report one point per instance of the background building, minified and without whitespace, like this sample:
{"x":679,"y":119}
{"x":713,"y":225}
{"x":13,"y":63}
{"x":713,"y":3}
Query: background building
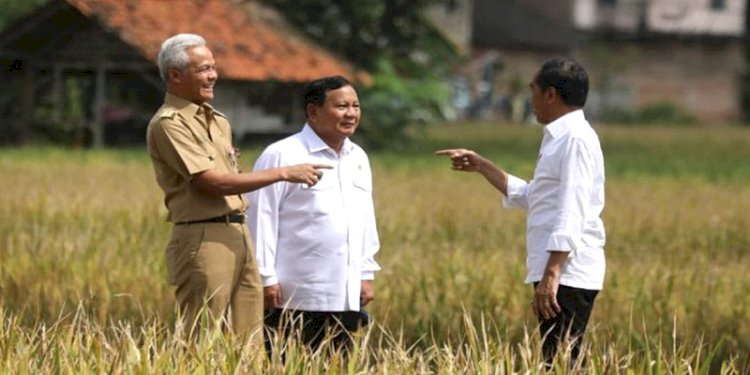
{"x":684,"y":56}
{"x":86,"y":69}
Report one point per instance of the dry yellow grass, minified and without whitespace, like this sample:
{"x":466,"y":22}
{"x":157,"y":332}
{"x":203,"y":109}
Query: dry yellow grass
{"x":83,"y":235}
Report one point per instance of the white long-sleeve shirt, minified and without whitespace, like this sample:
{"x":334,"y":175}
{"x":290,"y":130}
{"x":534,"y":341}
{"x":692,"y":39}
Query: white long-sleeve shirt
{"x":317,"y":242}
{"x":564,"y":201}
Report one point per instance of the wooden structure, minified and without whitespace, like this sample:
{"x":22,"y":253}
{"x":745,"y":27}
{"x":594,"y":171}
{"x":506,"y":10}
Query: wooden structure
{"x":107,"y":50}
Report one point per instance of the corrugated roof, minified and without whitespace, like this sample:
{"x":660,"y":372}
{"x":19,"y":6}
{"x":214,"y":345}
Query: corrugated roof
{"x":245,"y":47}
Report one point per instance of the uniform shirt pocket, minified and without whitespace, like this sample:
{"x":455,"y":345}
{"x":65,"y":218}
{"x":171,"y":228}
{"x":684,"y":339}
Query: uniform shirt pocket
{"x":317,"y":200}
{"x":363,"y":181}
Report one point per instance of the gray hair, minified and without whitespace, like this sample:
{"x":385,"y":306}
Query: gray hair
{"x":173,"y":55}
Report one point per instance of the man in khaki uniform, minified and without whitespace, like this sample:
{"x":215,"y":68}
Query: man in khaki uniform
{"x":210,"y":256}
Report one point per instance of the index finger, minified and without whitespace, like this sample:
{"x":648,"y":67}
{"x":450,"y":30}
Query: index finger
{"x":322,"y":166}
{"x":448,"y":152}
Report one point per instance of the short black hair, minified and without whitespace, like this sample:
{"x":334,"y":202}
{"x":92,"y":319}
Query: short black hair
{"x":316,"y":91}
{"x":568,"y":77}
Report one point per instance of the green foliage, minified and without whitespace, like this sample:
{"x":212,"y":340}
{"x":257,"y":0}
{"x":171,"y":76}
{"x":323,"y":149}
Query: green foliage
{"x":67,"y":126}
{"x":10,"y":10}
{"x":392,"y":106}
{"x":662,"y":112}
{"x":366,"y":31}
{"x":391,"y":39}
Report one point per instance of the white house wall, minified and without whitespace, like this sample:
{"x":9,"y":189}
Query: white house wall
{"x":453,"y":21}
{"x":696,"y":17}
{"x":662,"y":16}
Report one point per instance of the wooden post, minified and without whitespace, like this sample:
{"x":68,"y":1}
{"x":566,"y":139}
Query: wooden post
{"x":57,"y":94}
{"x":26,"y":119}
{"x":97,"y":126}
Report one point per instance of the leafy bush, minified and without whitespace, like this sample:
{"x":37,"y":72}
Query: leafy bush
{"x":393,"y":106}
{"x":665,"y":112}
{"x":661,"y":112}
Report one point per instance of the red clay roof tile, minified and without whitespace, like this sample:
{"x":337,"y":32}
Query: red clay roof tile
{"x":246,"y":47}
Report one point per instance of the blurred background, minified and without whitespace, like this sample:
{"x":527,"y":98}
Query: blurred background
{"x":83,"y":72}
{"x":82,"y":232}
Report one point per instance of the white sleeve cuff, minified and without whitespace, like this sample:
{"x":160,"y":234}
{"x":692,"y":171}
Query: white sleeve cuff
{"x":515,"y":192}
{"x":269,"y":280}
{"x":562,"y":242}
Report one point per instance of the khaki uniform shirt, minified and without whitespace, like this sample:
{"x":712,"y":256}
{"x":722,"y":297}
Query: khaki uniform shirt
{"x":184,"y":139}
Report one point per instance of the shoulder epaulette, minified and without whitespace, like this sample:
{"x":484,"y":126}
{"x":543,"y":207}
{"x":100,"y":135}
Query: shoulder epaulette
{"x":168,"y":113}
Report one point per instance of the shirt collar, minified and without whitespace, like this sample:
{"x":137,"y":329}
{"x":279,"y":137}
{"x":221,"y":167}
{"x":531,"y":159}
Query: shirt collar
{"x":186,"y":107}
{"x":315,"y":143}
{"x":564,"y":122}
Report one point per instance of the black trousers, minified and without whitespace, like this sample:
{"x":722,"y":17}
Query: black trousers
{"x":313,"y":327}
{"x":569,"y":325}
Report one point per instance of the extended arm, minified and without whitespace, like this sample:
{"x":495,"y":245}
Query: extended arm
{"x":216,"y":183}
{"x":181,"y":151}
{"x":469,"y":161}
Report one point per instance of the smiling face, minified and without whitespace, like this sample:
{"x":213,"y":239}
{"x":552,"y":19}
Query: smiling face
{"x":196,"y":82}
{"x":337,"y":118}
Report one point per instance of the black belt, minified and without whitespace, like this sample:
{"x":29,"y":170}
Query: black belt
{"x":231,"y":218}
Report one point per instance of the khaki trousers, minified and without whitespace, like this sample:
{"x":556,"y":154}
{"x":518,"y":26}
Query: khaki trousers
{"x":213,"y":264}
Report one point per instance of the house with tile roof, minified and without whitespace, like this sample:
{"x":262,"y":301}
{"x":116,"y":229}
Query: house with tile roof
{"x":639,"y":53}
{"x":89,"y":66}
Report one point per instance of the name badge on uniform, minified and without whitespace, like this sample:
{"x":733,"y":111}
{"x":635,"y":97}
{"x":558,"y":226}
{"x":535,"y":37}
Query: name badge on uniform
{"x":233,"y":153}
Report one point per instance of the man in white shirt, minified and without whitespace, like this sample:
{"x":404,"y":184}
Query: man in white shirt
{"x":565,"y":234}
{"x":316,"y":244}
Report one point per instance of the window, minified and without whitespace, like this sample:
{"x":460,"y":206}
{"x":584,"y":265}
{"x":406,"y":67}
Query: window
{"x":718,"y":4}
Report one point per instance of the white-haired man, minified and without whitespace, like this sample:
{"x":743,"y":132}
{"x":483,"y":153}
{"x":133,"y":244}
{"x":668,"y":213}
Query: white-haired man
{"x":210,"y":256}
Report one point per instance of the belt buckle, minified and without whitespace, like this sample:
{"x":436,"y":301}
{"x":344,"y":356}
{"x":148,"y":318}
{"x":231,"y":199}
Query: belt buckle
{"x":243,"y":218}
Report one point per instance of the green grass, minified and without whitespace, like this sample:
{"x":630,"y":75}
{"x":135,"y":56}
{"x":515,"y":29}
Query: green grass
{"x":83,"y":282}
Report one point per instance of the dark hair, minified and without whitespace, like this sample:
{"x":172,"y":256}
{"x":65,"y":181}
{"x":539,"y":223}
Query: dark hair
{"x":569,"y":79}
{"x":316,"y":91}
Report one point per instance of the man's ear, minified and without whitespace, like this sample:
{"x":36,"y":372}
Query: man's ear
{"x":312,"y":111}
{"x":174,"y":75}
{"x":551,"y":94}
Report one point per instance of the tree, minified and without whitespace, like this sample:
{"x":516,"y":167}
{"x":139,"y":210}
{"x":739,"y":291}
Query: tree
{"x":10,"y":10}
{"x":366,"y":31}
{"x":392,"y":40}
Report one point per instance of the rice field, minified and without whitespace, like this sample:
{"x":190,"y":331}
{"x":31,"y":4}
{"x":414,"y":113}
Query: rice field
{"x":83,"y":280}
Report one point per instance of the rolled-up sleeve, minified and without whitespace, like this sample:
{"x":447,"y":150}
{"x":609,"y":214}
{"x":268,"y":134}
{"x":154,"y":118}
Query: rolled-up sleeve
{"x":263,"y":220}
{"x":576,"y":181}
{"x":517,"y":193}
